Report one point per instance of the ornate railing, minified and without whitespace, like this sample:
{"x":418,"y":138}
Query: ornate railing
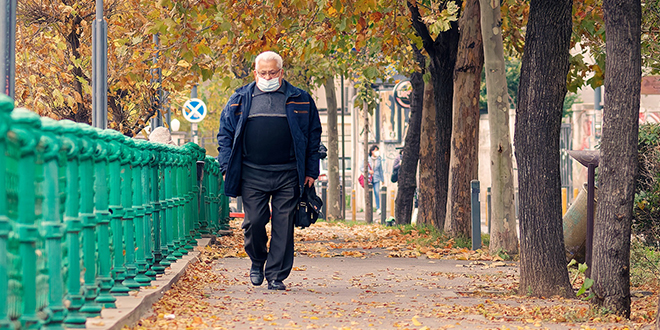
{"x":89,"y":214}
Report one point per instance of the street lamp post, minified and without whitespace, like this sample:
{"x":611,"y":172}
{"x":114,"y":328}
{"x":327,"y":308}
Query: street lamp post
{"x":590,"y":159}
{"x":7,"y":46}
{"x":100,"y":69}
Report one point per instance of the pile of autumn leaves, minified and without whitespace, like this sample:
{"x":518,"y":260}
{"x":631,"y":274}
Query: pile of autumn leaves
{"x":188,"y":297}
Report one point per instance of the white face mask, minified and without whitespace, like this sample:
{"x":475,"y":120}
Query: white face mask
{"x":269,"y":85}
{"x":376,"y":154}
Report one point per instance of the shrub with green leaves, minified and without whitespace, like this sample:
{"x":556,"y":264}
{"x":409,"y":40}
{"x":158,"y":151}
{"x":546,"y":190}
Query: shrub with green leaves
{"x":646,"y":211}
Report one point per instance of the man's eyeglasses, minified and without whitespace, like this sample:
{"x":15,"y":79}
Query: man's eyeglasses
{"x":273,"y":73}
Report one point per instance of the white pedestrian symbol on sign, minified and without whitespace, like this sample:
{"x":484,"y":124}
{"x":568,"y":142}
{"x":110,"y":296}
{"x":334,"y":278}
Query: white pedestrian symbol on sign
{"x":194,"y":110}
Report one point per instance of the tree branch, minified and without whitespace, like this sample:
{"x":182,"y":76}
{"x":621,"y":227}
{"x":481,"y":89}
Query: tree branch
{"x":420,"y":27}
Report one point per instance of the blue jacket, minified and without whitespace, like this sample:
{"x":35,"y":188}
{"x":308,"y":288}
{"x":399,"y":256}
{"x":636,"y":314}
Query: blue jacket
{"x":377,"y":167}
{"x":304,"y":123}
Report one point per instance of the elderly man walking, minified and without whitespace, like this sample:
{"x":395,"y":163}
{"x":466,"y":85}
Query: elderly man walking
{"x":268,"y":144}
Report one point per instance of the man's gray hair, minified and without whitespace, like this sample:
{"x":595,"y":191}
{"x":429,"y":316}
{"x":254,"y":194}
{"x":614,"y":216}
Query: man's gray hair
{"x":268,"y":56}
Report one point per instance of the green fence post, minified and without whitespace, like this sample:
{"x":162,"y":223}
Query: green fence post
{"x":6,"y":106}
{"x":191,"y":170}
{"x":170,"y":227}
{"x":176,"y":203}
{"x":187,"y":196}
{"x":75,"y":298}
{"x":52,"y":226}
{"x":138,"y":206}
{"x":213,"y":205}
{"x":207,"y":195}
{"x":180,"y":201}
{"x":129,"y":213}
{"x":115,"y":145}
{"x":102,"y":212}
{"x":197,"y":199}
{"x":203,"y":220}
{"x":161,"y":154}
{"x":216,"y":194}
{"x":87,"y":150}
{"x":148,"y":184}
{"x":190,"y":196}
{"x":25,"y":134}
{"x":156,"y":187}
{"x":183,"y":195}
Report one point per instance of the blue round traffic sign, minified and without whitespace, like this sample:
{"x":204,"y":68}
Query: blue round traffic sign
{"x":194,"y":110}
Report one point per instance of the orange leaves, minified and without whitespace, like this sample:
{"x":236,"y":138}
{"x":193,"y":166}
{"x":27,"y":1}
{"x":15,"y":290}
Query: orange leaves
{"x":376,"y":17}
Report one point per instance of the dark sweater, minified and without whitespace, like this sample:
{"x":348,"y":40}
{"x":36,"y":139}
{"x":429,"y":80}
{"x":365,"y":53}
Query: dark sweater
{"x":267,"y":142}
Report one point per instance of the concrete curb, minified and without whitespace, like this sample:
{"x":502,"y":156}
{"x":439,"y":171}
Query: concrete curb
{"x":131,"y":308}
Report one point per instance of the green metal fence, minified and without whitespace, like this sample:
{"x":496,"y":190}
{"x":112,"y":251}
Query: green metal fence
{"x":87,"y":215}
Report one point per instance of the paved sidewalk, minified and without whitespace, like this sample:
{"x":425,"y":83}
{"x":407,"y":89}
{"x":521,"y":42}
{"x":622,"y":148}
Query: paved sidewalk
{"x":337,"y":283}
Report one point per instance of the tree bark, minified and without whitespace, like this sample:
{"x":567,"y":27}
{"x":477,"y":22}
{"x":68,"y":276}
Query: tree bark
{"x":442,"y":55}
{"x":428,"y":180}
{"x":618,"y":156}
{"x":80,"y":113}
{"x":464,"y":162}
{"x":542,"y":90}
{"x":407,"y":183}
{"x":333,"y":207}
{"x":503,"y":236}
{"x":368,"y":189}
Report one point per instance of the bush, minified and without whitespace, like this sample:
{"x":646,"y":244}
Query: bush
{"x":646,"y":210}
{"x":644,"y":260}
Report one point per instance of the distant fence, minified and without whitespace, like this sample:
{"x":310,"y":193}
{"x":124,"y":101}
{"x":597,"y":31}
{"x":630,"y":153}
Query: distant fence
{"x":89,"y":214}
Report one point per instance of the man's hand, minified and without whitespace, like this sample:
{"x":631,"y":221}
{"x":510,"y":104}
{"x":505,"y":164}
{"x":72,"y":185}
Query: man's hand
{"x":309,"y":181}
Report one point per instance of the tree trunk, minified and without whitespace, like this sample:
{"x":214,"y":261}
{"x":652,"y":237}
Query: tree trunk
{"x":464,"y":162}
{"x":618,"y":156}
{"x":442,"y":76}
{"x":407,"y":183}
{"x":503,"y":236}
{"x":333,"y":207}
{"x":427,"y":162}
{"x":368,"y":188}
{"x":442,"y":55}
{"x":541,"y":94}
{"x":80,"y":113}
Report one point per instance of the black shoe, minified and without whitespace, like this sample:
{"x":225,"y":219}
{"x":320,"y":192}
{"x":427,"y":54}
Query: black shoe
{"x":276,"y":285}
{"x":257,"y":274}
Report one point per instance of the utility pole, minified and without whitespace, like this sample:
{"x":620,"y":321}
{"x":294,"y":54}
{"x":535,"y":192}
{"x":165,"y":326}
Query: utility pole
{"x":7,"y":46}
{"x":99,"y":69}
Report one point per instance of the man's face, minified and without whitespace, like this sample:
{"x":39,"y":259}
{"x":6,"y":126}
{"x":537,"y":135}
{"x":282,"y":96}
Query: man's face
{"x":268,"y":70}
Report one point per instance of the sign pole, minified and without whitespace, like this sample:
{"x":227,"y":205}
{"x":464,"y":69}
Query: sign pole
{"x":193,"y":126}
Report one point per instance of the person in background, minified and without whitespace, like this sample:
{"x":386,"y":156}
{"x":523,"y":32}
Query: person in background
{"x":268,"y":148}
{"x":376,"y":172}
{"x":395,"y":167}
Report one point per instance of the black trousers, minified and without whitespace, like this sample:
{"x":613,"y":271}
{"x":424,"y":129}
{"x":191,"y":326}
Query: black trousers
{"x":258,"y":188}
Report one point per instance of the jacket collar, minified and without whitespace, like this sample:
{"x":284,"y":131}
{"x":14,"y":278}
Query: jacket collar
{"x":289,"y":90}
